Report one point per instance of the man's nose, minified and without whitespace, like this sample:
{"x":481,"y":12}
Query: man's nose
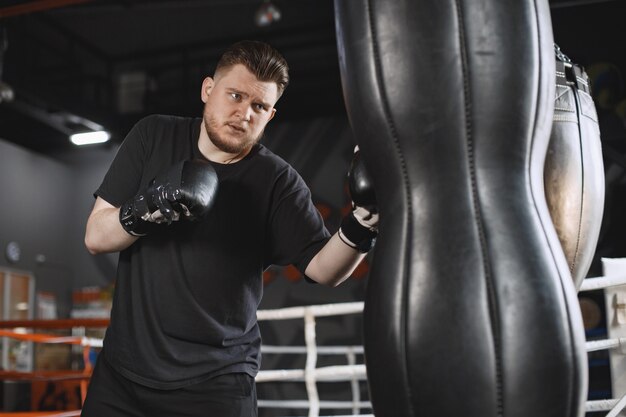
{"x":244,"y":110}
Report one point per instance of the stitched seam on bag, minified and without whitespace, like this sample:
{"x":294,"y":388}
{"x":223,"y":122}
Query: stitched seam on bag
{"x":479,"y":219}
{"x":403,"y":167}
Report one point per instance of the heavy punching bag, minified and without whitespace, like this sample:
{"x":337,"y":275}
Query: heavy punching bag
{"x":470,"y":308}
{"x":574,"y":171}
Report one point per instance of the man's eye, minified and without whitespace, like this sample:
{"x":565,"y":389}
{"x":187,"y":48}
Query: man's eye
{"x":235,"y":96}
{"x":259,"y":107}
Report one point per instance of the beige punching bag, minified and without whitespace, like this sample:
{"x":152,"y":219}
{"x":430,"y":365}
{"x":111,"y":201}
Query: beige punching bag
{"x":574,"y":172}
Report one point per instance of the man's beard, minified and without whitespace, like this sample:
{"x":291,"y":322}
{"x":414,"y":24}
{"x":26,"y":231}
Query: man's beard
{"x":232,"y":147}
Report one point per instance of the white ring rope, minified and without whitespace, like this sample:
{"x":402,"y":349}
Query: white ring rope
{"x":614,"y":405}
{"x":594,"y":345}
{"x":317,"y":311}
{"x":601,"y":405}
{"x":304,"y":404}
{"x":355,"y":415}
{"x":325,"y":374}
{"x":321,"y":350}
{"x":354,"y":385}
{"x":311,"y":374}
{"x":311,"y":361}
{"x":598,"y":283}
{"x":617,"y":408}
{"x":91,"y":342}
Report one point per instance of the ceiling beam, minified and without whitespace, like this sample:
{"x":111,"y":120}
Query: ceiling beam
{"x":36,"y":6}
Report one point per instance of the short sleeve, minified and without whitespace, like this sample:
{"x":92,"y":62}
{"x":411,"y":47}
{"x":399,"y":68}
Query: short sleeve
{"x":123,"y":179}
{"x":296,"y":227}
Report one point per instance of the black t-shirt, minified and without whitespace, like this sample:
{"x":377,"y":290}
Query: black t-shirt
{"x":186,"y":295}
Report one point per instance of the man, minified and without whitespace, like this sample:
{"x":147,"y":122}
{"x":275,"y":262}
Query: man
{"x":198,"y":209}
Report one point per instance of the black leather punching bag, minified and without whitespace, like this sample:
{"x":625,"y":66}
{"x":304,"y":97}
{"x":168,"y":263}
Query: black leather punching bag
{"x":574,"y":171}
{"x":470,"y":308}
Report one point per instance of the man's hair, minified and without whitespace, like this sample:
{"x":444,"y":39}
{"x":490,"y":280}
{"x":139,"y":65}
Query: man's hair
{"x":265,"y":62}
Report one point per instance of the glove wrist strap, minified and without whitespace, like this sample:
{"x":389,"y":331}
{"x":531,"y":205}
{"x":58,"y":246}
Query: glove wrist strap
{"x":130,"y":221}
{"x":355,"y":235}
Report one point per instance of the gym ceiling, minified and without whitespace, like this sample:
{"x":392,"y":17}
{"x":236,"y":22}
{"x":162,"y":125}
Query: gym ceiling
{"x":74,"y":65}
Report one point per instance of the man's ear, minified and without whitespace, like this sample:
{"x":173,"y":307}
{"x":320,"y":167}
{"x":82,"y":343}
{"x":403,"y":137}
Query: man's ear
{"x":207,"y":87}
{"x":272,"y":114}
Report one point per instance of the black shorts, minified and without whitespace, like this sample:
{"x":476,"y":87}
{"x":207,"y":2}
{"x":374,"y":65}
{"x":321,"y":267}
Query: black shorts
{"x":112,"y":395}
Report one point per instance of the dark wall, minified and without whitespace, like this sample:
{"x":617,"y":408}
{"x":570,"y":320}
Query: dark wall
{"x":88,"y":166}
{"x":35,"y":212}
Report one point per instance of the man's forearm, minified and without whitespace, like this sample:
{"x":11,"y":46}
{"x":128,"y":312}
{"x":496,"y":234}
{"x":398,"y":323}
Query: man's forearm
{"x":337,"y":260}
{"x":104,"y":233}
{"x":334,"y":263}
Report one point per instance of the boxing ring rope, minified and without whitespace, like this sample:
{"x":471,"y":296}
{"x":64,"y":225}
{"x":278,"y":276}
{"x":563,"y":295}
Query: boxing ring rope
{"x":83,"y":376}
{"x":614,"y":406}
{"x":598,"y":283}
{"x":75,"y":413}
{"x":310,"y":375}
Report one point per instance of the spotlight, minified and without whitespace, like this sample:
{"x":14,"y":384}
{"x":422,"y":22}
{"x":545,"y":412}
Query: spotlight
{"x":89,"y":138}
{"x":6,"y":93}
{"x":267,"y":14}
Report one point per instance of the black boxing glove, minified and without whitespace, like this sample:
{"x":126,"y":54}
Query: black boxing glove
{"x":360,"y":228}
{"x":187,"y":188}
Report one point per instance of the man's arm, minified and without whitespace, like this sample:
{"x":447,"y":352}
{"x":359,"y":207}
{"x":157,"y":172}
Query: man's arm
{"x":104,"y":232}
{"x":334,"y":263}
{"x":188,"y":187}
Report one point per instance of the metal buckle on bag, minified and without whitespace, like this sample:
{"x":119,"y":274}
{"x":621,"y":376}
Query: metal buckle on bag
{"x":570,"y":74}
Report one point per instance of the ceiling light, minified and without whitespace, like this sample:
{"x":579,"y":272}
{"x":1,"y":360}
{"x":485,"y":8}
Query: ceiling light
{"x":6,"y":92}
{"x":89,"y":138}
{"x":267,"y":14}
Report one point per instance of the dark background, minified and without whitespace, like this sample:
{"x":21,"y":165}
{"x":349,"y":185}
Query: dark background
{"x":114,"y":61}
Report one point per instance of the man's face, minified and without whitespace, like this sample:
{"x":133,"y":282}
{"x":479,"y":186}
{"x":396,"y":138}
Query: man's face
{"x":237,"y":106}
